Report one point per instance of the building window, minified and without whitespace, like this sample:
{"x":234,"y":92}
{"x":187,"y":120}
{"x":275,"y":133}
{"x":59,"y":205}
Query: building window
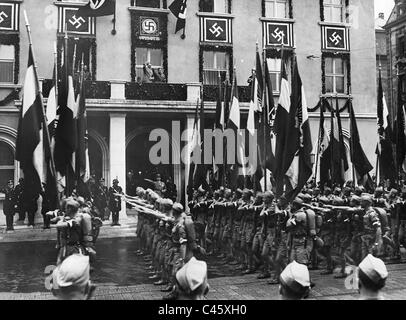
{"x":334,"y":10}
{"x":401,"y":47}
{"x":6,"y":164}
{"x":149,"y":65}
{"x":274,"y":67}
{"x":78,"y":48}
{"x":213,"y":63}
{"x":217,"y":6}
{"x":276,"y":8}
{"x":335,"y":72}
{"x":147,"y":3}
{"x":7,"y":60}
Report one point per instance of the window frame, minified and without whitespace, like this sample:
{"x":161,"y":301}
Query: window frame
{"x":344,"y":12}
{"x":138,"y":66}
{"x":336,"y":75}
{"x":214,"y":69}
{"x":10,"y":60}
{"x":227,"y":10}
{"x":10,"y":167}
{"x":162,"y":5}
{"x":286,"y":2}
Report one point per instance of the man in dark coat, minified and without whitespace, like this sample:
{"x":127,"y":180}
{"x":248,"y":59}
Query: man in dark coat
{"x":10,"y":204}
{"x":115,"y":201}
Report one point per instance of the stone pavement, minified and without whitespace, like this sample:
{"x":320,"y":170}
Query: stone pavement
{"x":242,"y":288}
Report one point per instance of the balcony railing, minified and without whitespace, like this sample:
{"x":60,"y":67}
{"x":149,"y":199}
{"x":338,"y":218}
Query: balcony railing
{"x":156,"y":91}
{"x":93,"y":89}
{"x":210,"y":93}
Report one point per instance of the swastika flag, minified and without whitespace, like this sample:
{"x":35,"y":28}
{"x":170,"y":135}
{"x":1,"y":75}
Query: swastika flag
{"x":179,"y":9}
{"x":98,"y":8}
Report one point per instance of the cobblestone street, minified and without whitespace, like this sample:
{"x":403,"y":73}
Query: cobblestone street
{"x":120,"y":274}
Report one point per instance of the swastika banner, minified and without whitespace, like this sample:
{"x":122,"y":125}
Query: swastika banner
{"x":72,"y":22}
{"x":9,"y":16}
{"x":216,"y":30}
{"x":335,"y":38}
{"x":277,"y":34}
{"x":149,"y":28}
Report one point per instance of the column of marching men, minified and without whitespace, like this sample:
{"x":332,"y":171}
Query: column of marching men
{"x":259,"y":233}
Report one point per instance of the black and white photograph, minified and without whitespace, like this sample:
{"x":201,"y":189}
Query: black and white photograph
{"x":215,"y":150}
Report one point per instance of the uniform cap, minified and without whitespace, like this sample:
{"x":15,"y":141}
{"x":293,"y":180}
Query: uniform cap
{"x":201,"y":190}
{"x":268,"y":195}
{"x":192,"y":275}
{"x":296,"y":277}
{"x":73,"y":271}
{"x":374,"y":269}
{"x":70,"y":202}
{"x":167,"y":204}
{"x":177,"y":207}
{"x":115,"y":181}
{"x":356,"y":199}
{"x":298,"y":202}
{"x":366,"y":197}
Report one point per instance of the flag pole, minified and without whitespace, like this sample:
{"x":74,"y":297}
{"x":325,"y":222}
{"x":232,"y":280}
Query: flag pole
{"x":265,"y":116}
{"x":332,"y":167}
{"x":225,"y":169}
{"x":319,"y":141}
{"x":43,"y":114}
{"x":66,"y":62}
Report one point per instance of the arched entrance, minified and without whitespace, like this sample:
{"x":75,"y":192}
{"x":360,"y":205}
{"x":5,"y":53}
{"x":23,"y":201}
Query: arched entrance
{"x":139,"y":166}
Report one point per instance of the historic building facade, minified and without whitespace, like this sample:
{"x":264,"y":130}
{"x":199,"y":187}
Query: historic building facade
{"x":395,"y":42}
{"x":334,"y":41}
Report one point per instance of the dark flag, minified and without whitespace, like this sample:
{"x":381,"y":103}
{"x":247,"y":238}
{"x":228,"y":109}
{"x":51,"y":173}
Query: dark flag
{"x":32,"y":147}
{"x":179,"y":8}
{"x":281,"y":129}
{"x":359,"y":159}
{"x":386,"y":163}
{"x":400,"y":131}
{"x":300,"y":143}
{"x":98,"y":8}
{"x":82,"y":153}
{"x":324,"y":148}
{"x":66,"y":130}
{"x":218,"y":164}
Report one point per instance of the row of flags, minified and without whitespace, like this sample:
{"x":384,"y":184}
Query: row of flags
{"x":52,"y":145}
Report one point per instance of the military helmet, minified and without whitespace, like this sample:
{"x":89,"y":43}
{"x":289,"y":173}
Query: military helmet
{"x":177,"y":208}
{"x":337,"y":191}
{"x":366,"y":198}
{"x":298,"y":202}
{"x":268,"y":196}
{"x":72,"y":203}
{"x":356,"y":200}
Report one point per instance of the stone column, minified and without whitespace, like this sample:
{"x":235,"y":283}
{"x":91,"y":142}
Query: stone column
{"x":118,"y":153}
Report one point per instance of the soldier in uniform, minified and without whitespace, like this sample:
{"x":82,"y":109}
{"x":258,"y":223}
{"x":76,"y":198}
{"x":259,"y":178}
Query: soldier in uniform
{"x":100,"y":199}
{"x":19,"y":190}
{"x":159,"y":185}
{"x":269,"y":220}
{"x":10,"y":204}
{"x":76,"y":232}
{"x":115,"y":202}
{"x":281,"y":238}
{"x":227,"y":224}
{"x":179,"y":248}
{"x":301,"y":235}
{"x":372,"y":227}
{"x":248,"y":229}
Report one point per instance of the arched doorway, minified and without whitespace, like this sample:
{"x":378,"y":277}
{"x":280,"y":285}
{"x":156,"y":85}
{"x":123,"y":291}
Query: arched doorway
{"x":139,"y":166}
{"x":95,"y":158}
{"x":7,"y":167}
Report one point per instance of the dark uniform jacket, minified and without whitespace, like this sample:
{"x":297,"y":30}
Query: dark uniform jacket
{"x":10,"y":201}
{"x":115,"y":201}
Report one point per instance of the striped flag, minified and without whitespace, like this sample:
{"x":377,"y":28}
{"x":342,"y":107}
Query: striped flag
{"x":30,"y":139}
{"x":281,"y":129}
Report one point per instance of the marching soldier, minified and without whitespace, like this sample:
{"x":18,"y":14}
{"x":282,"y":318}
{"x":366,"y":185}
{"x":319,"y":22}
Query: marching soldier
{"x":10,"y":204}
{"x":372,"y":227}
{"x":76,"y":232}
{"x":115,"y":202}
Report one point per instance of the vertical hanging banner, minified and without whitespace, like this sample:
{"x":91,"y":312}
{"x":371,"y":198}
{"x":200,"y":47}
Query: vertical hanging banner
{"x":216,"y":30}
{"x":335,"y":38}
{"x":9,"y":16}
{"x":71,"y":21}
{"x":278,"y":33}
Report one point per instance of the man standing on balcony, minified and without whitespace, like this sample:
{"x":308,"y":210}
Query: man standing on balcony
{"x":148,"y":73}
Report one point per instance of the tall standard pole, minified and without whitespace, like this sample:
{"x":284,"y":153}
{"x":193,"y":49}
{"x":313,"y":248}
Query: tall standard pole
{"x":265,"y":116}
{"x":43,"y":114}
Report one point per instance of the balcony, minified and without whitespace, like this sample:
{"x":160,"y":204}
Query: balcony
{"x":93,"y":89}
{"x":210,"y":93}
{"x":156,"y":91}
{"x":121,"y":90}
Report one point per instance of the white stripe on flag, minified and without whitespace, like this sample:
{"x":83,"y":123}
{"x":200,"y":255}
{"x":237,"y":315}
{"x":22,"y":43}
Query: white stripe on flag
{"x":51,"y":106}
{"x":30,"y":92}
{"x":38,"y":159}
{"x":284,"y":99}
{"x":235,"y":112}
